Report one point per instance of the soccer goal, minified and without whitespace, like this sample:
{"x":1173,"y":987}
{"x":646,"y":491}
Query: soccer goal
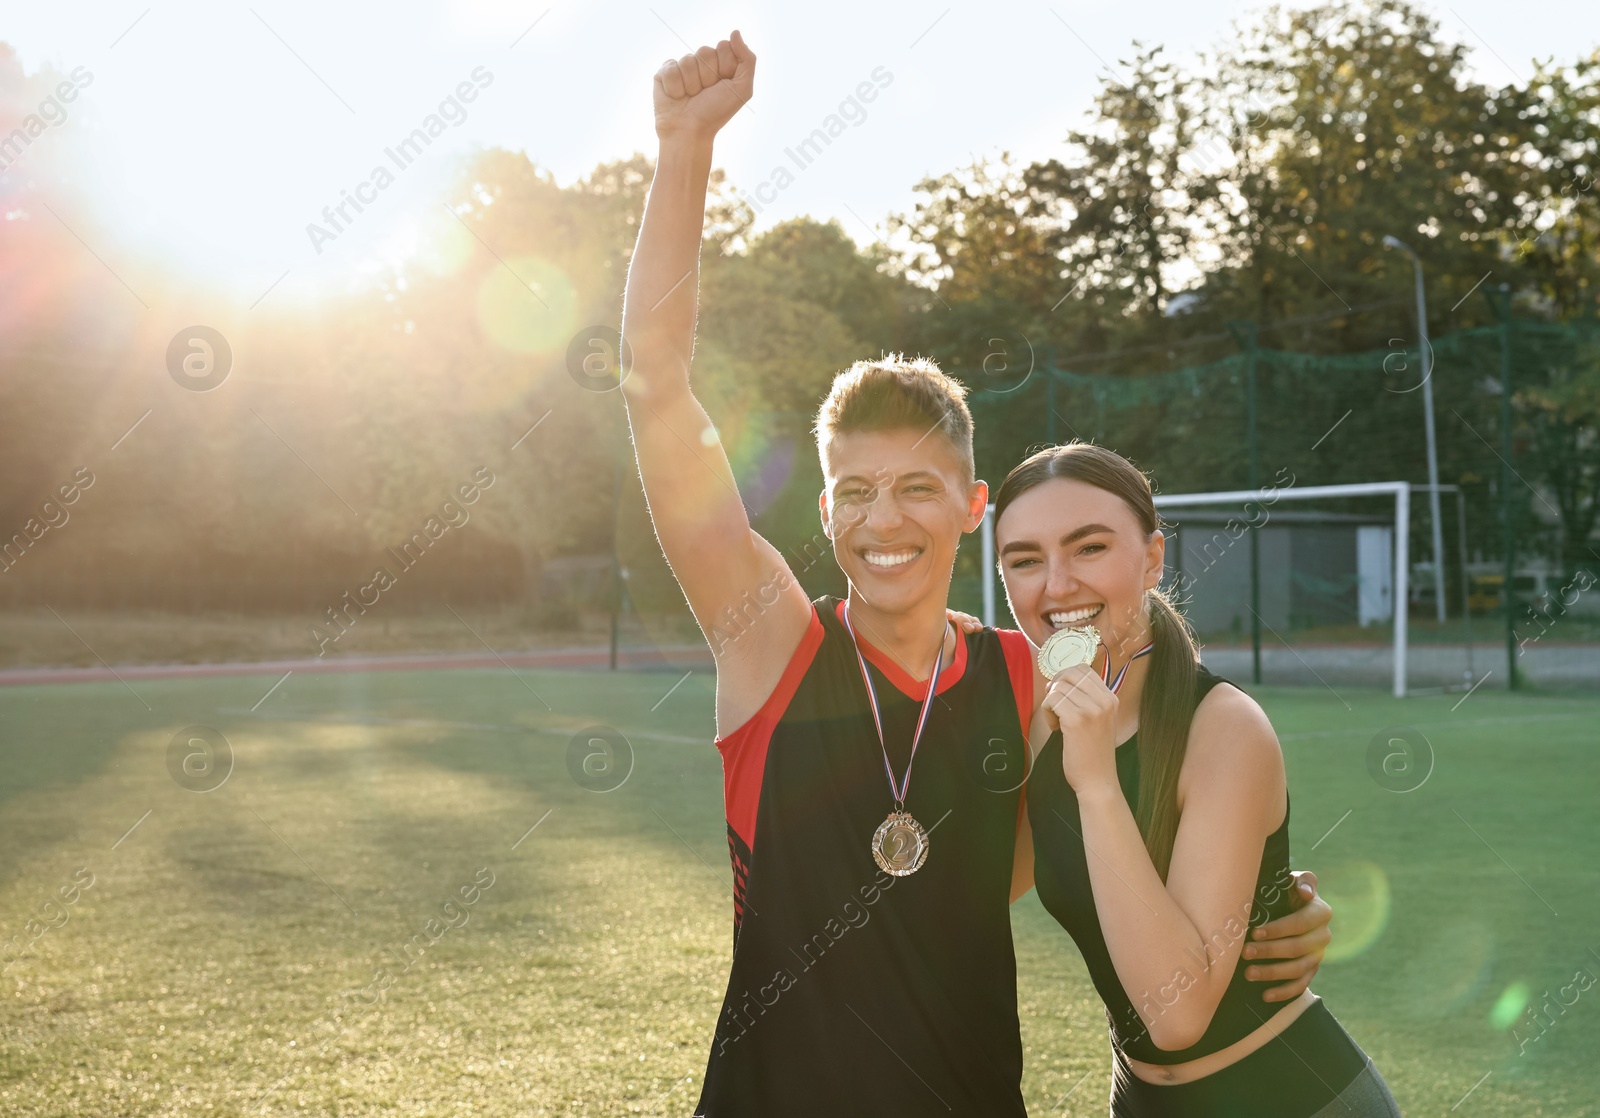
{"x":1304,"y":584}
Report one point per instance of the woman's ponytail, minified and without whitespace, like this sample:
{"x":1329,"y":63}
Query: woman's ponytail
{"x":1165,"y":712}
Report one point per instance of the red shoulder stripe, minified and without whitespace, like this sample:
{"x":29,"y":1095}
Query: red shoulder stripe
{"x":1019,"y":665}
{"x":744,"y":752}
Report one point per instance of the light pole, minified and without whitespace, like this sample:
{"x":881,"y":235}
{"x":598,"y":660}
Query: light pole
{"x":1427,"y":418}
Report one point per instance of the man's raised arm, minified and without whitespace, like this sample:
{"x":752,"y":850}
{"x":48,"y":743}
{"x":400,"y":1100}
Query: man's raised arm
{"x":747,"y":602}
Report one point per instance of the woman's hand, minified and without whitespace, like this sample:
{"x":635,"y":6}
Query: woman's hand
{"x":1079,"y":703}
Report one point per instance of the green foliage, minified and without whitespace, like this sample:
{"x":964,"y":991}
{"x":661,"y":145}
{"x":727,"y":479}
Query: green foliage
{"x":1365,"y":125}
{"x":1135,"y":210}
{"x":1258,"y":185}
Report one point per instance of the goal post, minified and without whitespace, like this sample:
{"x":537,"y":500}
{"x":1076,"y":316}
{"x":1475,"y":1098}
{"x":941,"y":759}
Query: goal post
{"x":1396,"y":527}
{"x":1399,"y":490}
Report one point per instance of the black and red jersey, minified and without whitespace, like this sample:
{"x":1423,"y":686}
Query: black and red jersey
{"x":853,"y":991}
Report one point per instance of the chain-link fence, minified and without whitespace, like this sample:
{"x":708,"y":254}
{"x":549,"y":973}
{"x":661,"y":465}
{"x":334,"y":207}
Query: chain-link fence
{"x":1306,"y":588}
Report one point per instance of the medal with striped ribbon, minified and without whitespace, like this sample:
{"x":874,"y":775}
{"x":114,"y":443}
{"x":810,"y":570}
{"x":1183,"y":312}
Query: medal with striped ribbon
{"x":1067,"y":648}
{"x":900,"y":844}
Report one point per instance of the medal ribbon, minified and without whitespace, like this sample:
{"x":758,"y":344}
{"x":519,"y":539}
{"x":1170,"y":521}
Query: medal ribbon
{"x":896,"y":788}
{"x":1105,"y":672}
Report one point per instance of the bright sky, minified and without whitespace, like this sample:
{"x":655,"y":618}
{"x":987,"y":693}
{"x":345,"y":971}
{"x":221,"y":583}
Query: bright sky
{"x":222,"y":130}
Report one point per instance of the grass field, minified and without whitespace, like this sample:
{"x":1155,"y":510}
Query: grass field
{"x":32,"y":638}
{"x":237,"y":949}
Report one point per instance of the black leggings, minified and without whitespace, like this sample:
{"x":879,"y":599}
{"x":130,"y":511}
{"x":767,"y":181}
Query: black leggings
{"x":1312,"y":1070}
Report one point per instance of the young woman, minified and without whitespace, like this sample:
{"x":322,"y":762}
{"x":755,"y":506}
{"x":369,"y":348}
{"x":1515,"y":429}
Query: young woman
{"x":1160,"y":815}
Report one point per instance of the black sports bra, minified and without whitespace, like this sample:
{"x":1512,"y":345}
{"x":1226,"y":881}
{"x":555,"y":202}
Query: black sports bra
{"x":1061,"y":874}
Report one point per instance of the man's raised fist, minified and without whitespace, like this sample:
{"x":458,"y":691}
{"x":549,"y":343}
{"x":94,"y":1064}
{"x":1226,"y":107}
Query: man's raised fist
{"x":697,"y":94}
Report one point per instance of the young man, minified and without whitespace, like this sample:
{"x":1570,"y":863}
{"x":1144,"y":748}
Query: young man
{"x":873,"y":970}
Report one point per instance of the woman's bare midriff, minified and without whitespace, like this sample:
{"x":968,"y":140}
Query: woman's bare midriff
{"x":1167,"y":1075}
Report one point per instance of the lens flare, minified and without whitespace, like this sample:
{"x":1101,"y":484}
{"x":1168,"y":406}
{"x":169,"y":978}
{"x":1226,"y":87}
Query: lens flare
{"x":762,"y":466}
{"x":1359,"y":893}
{"x":1509,"y":1006}
{"x":442,"y":246}
{"x":1449,"y":969}
{"x":528,"y":306}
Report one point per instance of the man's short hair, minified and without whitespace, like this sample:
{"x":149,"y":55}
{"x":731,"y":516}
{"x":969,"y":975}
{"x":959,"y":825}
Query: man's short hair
{"x":895,"y":392}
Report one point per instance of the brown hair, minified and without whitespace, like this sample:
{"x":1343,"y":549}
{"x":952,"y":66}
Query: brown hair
{"x":894,"y":392}
{"x":1167,"y":706}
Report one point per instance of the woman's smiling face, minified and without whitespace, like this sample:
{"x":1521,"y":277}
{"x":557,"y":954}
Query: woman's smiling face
{"x":1073,"y":554}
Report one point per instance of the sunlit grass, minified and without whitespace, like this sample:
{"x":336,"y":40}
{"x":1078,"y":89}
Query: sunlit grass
{"x":31,"y":638}
{"x":229,"y":956}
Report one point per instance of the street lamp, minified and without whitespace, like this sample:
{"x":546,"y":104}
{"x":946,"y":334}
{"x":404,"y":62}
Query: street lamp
{"x":1427,"y":415}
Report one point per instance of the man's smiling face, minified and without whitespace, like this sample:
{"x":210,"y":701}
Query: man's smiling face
{"x":896,"y":505}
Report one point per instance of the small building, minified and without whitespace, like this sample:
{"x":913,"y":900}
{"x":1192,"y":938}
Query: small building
{"x":1316,"y":568}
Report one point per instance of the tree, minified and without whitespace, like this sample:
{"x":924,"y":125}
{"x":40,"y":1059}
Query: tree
{"x":1561,"y":111}
{"x":780,"y":318}
{"x":1350,"y":123}
{"x":1126,"y":215}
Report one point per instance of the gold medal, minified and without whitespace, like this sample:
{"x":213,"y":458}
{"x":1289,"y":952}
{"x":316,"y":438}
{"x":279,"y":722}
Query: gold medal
{"x":900,"y":845}
{"x":1067,"y":648}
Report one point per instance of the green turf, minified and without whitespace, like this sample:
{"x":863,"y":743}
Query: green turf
{"x":214,"y":967}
